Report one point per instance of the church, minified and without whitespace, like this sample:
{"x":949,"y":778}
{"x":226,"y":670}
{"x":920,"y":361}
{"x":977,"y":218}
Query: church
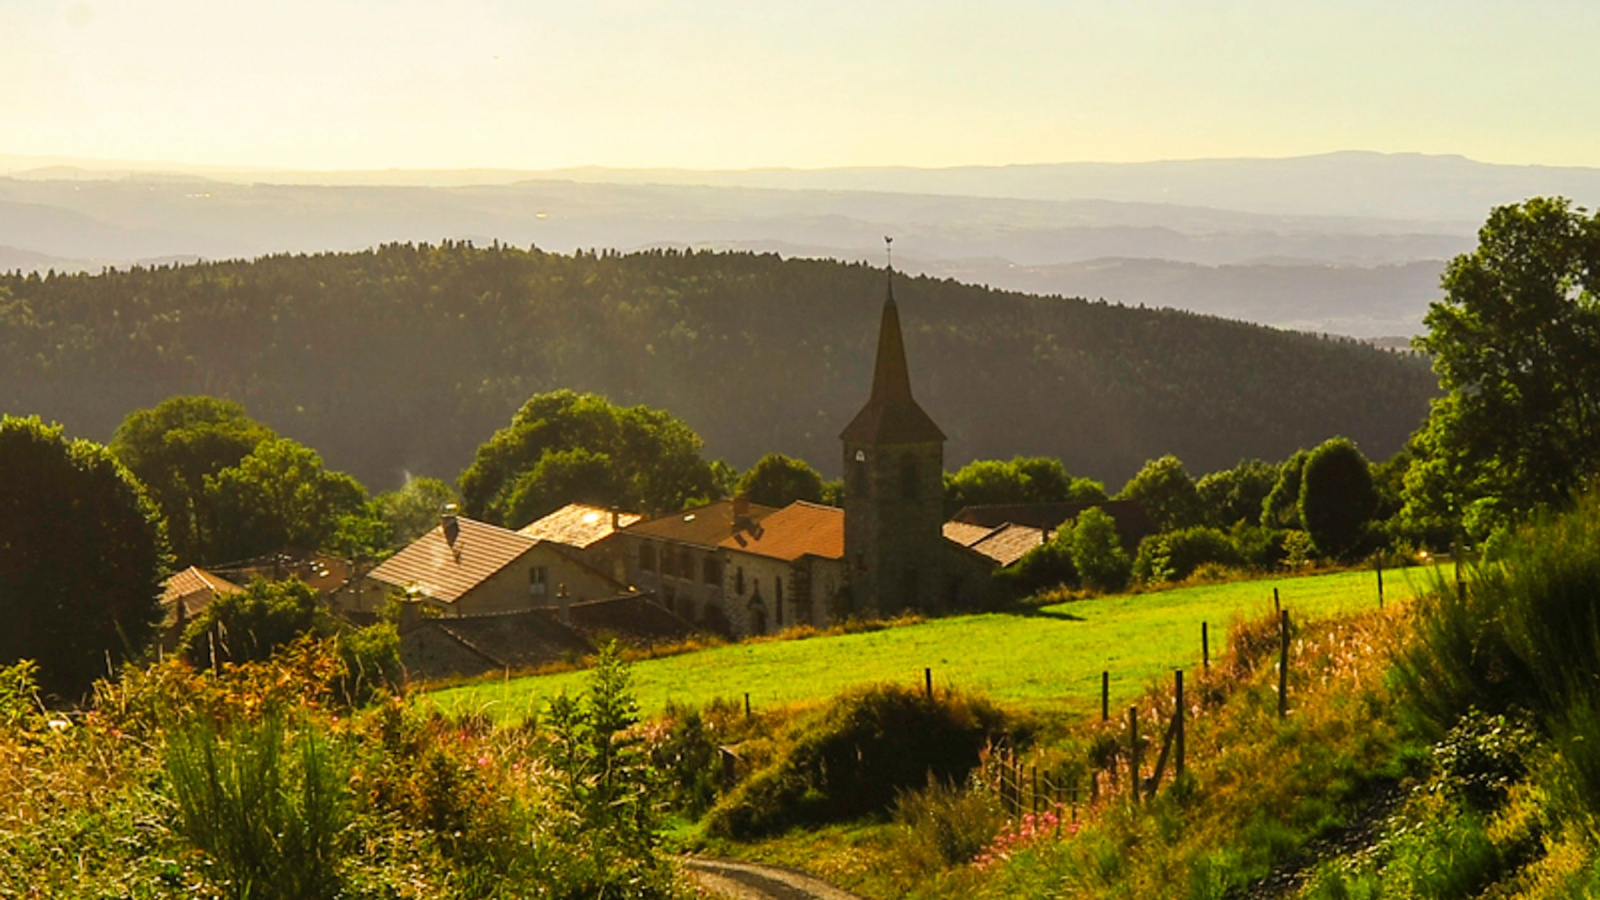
{"x":897,"y":556}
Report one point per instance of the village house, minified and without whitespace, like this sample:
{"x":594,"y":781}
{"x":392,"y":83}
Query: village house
{"x":576,"y":528}
{"x":680,"y":558}
{"x":466,"y":567}
{"x":786,"y":570}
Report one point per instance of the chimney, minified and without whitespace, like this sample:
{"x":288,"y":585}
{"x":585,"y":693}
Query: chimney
{"x":616,"y":520}
{"x":741,"y":511}
{"x":448,"y":522}
{"x":410,"y":613}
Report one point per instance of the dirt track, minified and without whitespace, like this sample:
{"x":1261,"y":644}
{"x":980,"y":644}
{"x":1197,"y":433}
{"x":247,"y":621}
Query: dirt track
{"x":748,"y":881}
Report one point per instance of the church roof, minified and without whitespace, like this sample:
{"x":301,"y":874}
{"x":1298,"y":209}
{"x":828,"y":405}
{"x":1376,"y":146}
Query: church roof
{"x":799,"y":529}
{"x":891,"y":415}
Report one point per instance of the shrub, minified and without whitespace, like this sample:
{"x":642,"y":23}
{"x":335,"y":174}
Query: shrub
{"x":1046,"y":566}
{"x":1097,"y":551}
{"x":1176,"y":555}
{"x":686,"y":756}
{"x":855,"y":756}
{"x":371,"y":659}
{"x":19,"y":695}
{"x":272,"y":821}
{"x":255,"y":623}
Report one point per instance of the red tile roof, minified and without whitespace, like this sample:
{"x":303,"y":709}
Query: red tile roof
{"x":444,"y":569}
{"x":799,"y":529}
{"x":577,"y":525}
{"x":705,"y":526}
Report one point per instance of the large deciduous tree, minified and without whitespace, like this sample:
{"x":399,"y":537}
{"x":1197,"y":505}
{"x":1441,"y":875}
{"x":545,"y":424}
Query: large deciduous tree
{"x":172,"y":448}
{"x":1516,"y":343}
{"x":778,"y":480}
{"x":82,"y":556}
{"x":652,"y":460}
{"x":1236,"y":494}
{"x":1167,"y":493}
{"x":1097,"y":551}
{"x":281,"y":498}
{"x":1337,"y":497}
{"x":413,"y":509}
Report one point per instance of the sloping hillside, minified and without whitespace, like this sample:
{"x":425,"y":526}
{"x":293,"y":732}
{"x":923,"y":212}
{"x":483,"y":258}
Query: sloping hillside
{"x":404,"y":358}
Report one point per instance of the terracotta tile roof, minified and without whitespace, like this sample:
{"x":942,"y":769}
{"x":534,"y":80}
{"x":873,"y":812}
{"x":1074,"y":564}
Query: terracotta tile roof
{"x":577,"y":525}
{"x":799,"y":529}
{"x":445,"y":569}
{"x":705,"y":526}
{"x":195,"y":580}
{"x":965,"y":533}
{"x":1009,"y":543}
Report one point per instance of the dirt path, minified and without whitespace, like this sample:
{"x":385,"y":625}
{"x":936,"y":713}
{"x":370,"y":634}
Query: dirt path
{"x":748,"y":881}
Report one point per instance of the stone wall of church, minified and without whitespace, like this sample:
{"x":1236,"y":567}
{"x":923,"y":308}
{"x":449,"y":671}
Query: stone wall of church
{"x":894,"y":517}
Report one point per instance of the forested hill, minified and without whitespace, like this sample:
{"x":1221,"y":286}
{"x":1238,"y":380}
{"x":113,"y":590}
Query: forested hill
{"x":405,"y":358}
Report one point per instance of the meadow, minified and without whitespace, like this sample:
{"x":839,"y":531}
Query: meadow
{"x":1047,"y":660}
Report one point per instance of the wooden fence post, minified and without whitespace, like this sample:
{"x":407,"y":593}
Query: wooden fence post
{"x":1105,"y":696}
{"x":1033,"y":778}
{"x":1277,"y":606}
{"x":1283,"y":663}
{"x":1205,"y":646}
{"x":927,"y":683}
{"x":1380,"y":582}
{"x":1133,"y":750}
{"x":747,"y":704}
{"x":1177,"y":690}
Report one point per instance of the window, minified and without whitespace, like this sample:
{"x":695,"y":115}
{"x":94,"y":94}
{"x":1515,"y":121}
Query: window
{"x":738,"y":581}
{"x":858,"y":473}
{"x":686,"y":565}
{"x":777,"y":599}
{"x":712,"y":569}
{"x":538,"y":581}
{"x":666,"y":561}
{"x":647,"y":557}
{"x":908,"y":477}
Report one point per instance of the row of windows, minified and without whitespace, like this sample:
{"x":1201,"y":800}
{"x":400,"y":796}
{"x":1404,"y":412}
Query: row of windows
{"x":680,"y":564}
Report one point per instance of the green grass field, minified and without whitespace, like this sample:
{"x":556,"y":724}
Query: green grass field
{"x":1049,"y":661}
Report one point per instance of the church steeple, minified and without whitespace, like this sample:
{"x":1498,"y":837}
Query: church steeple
{"x":892,"y":415}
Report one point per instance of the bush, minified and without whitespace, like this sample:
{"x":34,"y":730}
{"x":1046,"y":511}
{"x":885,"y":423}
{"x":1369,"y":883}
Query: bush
{"x":856,"y":756}
{"x":1097,"y":551}
{"x":271,"y":820}
{"x":371,"y":659}
{"x":1176,"y":555}
{"x":252,"y":625}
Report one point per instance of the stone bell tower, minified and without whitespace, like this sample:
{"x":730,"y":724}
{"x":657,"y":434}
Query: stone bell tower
{"x":893,"y":488}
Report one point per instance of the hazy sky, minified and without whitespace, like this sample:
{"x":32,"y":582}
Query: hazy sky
{"x":737,"y":83}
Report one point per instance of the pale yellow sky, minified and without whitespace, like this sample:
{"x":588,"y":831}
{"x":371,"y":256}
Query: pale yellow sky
{"x":364,"y":84}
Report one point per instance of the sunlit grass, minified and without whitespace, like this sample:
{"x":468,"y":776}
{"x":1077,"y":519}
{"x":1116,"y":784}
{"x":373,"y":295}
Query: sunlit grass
{"x":1047,"y":662}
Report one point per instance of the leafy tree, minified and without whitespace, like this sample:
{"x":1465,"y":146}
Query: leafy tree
{"x":1281,"y":509}
{"x":82,"y":556}
{"x":1097,"y":551}
{"x":1236,"y":494}
{"x":560,"y":477}
{"x":281,"y":498}
{"x":173,"y":447}
{"x":1337,"y":498}
{"x":778,"y":480}
{"x":413,"y":509}
{"x":653,"y":459}
{"x":251,"y":625}
{"x":1516,"y":343}
{"x":1023,"y":479}
{"x":1165,"y":490}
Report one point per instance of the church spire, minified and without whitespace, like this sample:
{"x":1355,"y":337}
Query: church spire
{"x":891,"y":415}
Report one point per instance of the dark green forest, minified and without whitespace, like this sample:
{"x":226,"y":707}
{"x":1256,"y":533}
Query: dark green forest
{"x":405,"y":358}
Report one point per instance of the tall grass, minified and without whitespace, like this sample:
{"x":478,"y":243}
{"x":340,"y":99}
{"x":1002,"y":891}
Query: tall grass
{"x":1524,"y":634}
{"x":268,"y":807}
